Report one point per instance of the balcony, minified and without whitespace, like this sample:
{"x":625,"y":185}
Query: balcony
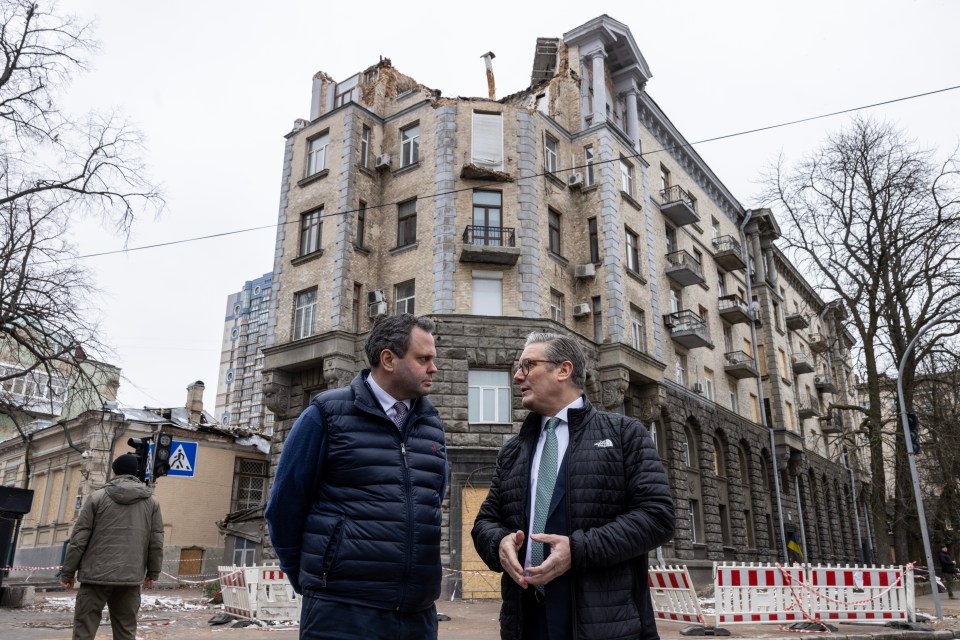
{"x":797,"y":320}
{"x":733,"y":309}
{"x":740,"y":365}
{"x":832,"y":425}
{"x":817,"y":342}
{"x":802,"y":363}
{"x":687,"y":329}
{"x":490,"y":245}
{"x":728,"y":254}
{"x":824,"y":384}
{"x":684,"y":269}
{"x":809,"y":407}
{"x":678,"y":206}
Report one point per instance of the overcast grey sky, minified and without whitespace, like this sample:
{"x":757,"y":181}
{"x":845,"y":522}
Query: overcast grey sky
{"x":214,"y":86}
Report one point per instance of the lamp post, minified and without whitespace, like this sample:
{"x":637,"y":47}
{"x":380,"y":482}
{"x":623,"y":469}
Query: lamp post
{"x":911,"y":459}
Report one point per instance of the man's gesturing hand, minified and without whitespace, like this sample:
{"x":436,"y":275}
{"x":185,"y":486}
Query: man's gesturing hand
{"x":509,"y":558}
{"x":557,"y":562}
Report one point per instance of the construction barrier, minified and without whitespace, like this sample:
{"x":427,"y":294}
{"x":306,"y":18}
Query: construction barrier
{"x":674,"y":598}
{"x":261,"y":593}
{"x":812,"y":595}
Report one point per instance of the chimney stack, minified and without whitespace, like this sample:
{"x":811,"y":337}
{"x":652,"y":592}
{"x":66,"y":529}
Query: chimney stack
{"x":195,"y":401}
{"x":491,"y":87}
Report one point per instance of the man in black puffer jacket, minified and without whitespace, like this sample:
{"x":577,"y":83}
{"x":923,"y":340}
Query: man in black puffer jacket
{"x":588,"y":488}
{"x":354,"y":512}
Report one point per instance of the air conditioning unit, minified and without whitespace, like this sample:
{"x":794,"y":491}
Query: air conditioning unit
{"x":697,"y":388}
{"x":818,"y":380}
{"x":377,"y":309}
{"x":575,"y":180}
{"x":585,"y":270}
{"x":580,"y":310}
{"x":375,"y":296}
{"x":382,"y":161}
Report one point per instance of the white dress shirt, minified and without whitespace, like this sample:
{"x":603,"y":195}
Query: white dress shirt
{"x":385,"y":399}
{"x":563,"y":439}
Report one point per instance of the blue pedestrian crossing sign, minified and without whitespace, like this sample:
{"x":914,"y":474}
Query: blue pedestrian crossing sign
{"x":183,"y":458}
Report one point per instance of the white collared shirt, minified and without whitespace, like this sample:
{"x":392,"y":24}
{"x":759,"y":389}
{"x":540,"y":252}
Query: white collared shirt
{"x":563,"y":439}
{"x":385,"y":399}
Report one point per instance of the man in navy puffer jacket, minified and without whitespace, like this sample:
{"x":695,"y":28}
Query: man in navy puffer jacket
{"x":354,"y":513}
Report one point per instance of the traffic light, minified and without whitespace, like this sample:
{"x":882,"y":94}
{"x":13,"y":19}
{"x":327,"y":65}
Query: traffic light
{"x":141,"y":448}
{"x":913,"y":422}
{"x":161,"y":455}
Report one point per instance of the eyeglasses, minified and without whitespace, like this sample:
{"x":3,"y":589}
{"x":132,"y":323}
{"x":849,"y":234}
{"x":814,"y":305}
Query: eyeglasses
{"x":524,"y":366}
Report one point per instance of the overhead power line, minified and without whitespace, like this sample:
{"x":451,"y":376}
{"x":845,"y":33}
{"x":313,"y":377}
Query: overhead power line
{"x":537,"y":175}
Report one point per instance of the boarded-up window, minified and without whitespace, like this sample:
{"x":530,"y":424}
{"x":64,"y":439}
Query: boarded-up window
{"x":487,"y":144}
{"x":478,"y":582}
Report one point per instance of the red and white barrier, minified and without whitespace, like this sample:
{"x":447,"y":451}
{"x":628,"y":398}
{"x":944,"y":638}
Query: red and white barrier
{"x":674,"y":598}
{"x":761,"y":593}
{"x":261,"y":593}
{"x":768,"y":593}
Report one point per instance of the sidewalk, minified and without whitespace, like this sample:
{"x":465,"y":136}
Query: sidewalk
{"x":181,"y":614}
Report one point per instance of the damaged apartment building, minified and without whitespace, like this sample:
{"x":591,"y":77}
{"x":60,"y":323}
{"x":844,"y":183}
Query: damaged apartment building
{"x":573,"y":206}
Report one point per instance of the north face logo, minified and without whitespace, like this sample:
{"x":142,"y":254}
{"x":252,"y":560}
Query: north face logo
{"x":603,"y":444}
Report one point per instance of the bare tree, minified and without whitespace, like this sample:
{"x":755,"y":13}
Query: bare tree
{"x":875,"y":223}
{"x":55,"y":169}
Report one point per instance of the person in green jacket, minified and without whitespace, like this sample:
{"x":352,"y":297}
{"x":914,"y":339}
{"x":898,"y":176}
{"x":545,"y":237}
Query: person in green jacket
{"x":116,"y":545}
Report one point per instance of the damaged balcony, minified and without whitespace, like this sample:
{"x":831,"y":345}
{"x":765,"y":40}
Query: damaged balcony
{"x":733,"y":309}
{"x":831,"y":425}
{"x":809,"y":407}
{"x":802,"y":363}
{"x":728,"y":254}
{"x":740,"y":365}
{"x":687,"y":329}
{"x":490,"y":245}
{"x":796,"y":320}
{"x":678,"y":206}
{"x":817,"y":342}
{"x":684,"y":269}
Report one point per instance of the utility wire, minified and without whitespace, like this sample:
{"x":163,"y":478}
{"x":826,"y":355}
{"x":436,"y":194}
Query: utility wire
{"x":535,"y":175}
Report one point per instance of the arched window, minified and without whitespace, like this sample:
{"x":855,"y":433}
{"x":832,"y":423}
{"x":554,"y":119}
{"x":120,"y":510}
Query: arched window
{"x":692,"y":462}
{"x":723,"y":490}
{"x":747,"y":492}
{"x":770,"y":500}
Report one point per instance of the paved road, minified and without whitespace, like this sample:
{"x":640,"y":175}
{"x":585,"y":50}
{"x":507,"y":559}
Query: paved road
{"x":180,"y":614}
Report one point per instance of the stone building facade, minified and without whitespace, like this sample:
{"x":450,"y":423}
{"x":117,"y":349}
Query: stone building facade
{"x":574,"y":205}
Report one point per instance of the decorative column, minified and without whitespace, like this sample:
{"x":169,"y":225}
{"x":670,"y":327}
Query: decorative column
{"x":584,"y":93}
{"x":599,"y":87}
{"x":633,"y":130}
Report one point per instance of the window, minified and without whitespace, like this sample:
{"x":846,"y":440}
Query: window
{"x":664,"y":178}
{"x":487,"y":218}
{"x":34,"y":389}
{"x":404,"y":294}
{"x":676,"y":300}
{"x":244,"y":552}
{"x":364,"y":146}
{"x":789,"y":415}
{"x":597,"y":319}
{"x":671,"y":235}
{"x":633,"y":251}
{"x":556,"y":306}
{"x":317,"y":153}
{"x":776,"y":316}
{"x":361,"y":223}
{"x":754,"y":408}
{"x":553,"y":221}
{"x":708,"y":385}
{"x":715,"y":230}
{"x":487,"y":293}
{"x":721,"y":283}
{"x":306,"y":311}
{"x":310,"y":231}
{"x":727,"y":339}
{"x":407,"y":223}
{"x":249,"y":482}
{"x":694,"y":521}
{"x":550,"y":154}
{"x":784,"y":369}
{"x":588,"y":160}
{"x":680,"y":362}
{"x":346,"y":91}
{"x":638,"y":329}
{"x":488,"y":396}
{"x":626,"y":177}
{"x":410,"y":145}
{"x":594,"y":240}
{"x":734,"y":402}
{"x":487,"y":144}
